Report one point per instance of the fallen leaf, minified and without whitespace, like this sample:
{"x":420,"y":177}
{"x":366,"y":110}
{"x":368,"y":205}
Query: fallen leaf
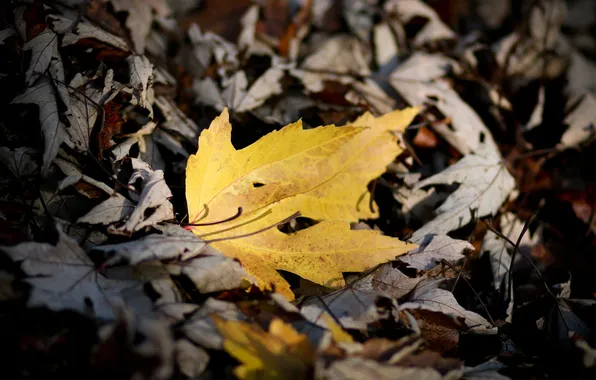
{"x":84,"y":99}
{"x":434,"y":248}
{"x":433,"y":30}
{"x":581,"y":120}
{"x":153,"y":204}
{"x":390,"y":281}
{"x":113,"y":209}
{"x":321,"y":172}
{"x":485,"y":371}
{"x":340,"y":55}
{"x":266,"y":86}
{"x":171,"y":242}
{"x":21,"y":162}
{"x":63,"y":277}
{"x":199,"y":328}
{"x":441,"y":300}
{"x":141,"y":72}
{"x":353,"y":308}
{"x":485,"y":183}
{"x":133,"y":347}
{"x":54,"y":131}
{"x":357,"y":368}
{"x":420,"y":80}
{"x":280,"y":353}
{"x":83,"y":31}
{"x":192,"y":360}
{"x":338,"y":334}
{"x":140,"y":17}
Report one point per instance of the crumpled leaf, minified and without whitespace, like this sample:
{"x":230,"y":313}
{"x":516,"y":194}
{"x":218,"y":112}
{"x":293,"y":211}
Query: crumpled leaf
{"x":141,"y":73}
{"x":280,"y":353}
{"x":140,"y":18}
{"x":54,"y":131}
{"x":485,"y":183}
{"x":154,"y":197}
{"x":84,"y":30}
{"x":340,"y":55}
{"x":266,"y":86}
{"x":433,"y":30}
{"x":434,"y":248}
{"x":74,"y":175}
{"x":320,"y":172}
{"x":84,"y":100}
{"x":581,"y":120}
{"x":63,"y":277}
{"x":419,"y":80}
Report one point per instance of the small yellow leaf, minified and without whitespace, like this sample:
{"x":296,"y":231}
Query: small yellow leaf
{"x":281,"y":353}
{"x":338,"y":334}
{"x":322,"y":173}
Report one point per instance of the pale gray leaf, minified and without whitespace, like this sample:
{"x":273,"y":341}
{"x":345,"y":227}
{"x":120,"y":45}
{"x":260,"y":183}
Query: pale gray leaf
{"x":191,"y":359}
{"x":84,"y":30}
{"x":266,"y":86}
{"x":200,"y":328}
{"x":44,"y":48}
{"x":174,"y":242}
{"x":21,"y":162}
{"x":359,"y":15}
{"x":390,"y":281}
{"x":154,"y":196}
{"x":353,"y":308}
{"x":443,"y":301}
{"x":485,"y":371}
{"x":581,"y":120}
{"x":176,"y":120}
{"x":6,"y":33}
{"x":433,"y":30}
{"x":141,"y":72}
{"x":340,"y":55}
{"x":113,"y":209}
{"x":63,"y":277}
{"x":434,"y":248}
{"x":212,"y":272}
{"x":54,"y":131}
{"x":485,"y":183}
{"x":140,"y":17}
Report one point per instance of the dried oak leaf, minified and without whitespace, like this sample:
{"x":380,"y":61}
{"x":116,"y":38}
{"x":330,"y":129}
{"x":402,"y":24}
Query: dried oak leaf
{"x":321,"y":173}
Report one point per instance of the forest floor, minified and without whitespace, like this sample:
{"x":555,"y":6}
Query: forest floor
{"x":177,"y":202}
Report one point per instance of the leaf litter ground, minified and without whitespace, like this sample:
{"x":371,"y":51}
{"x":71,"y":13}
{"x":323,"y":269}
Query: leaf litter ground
{"x":132,"y":248}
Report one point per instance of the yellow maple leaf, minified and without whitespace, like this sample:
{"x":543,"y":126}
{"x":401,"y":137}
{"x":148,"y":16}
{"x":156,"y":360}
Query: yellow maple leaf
{"x":281,"y":353}
{"x":321,"y":173}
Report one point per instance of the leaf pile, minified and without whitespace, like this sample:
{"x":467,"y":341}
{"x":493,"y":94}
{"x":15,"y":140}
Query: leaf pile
{"x":297,"y":189}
